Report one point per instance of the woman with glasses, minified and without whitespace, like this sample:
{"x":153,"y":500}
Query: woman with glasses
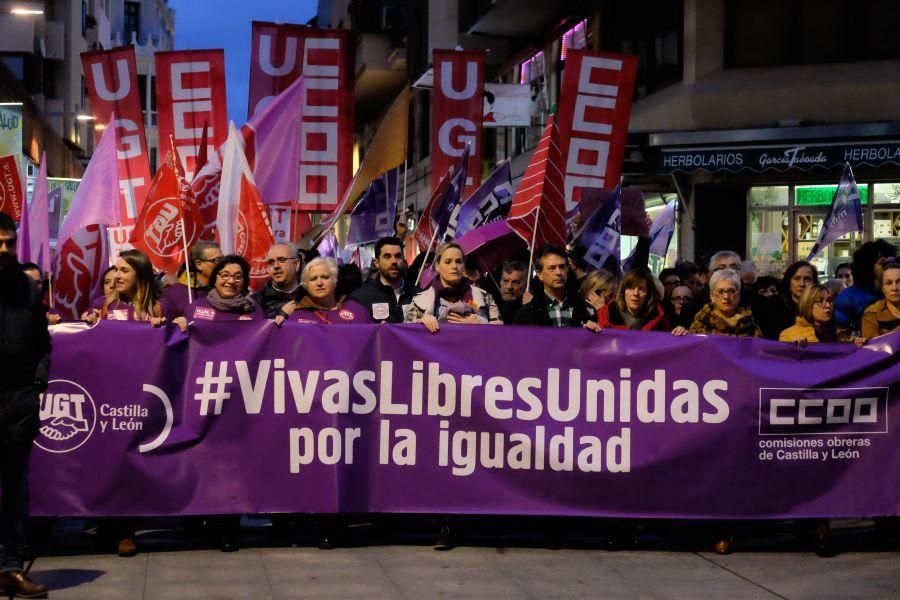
{"x":321,"y":305}
{"x":815,"y":323}
{"x":723,"y":315}
{"x":229,"y":297}
{"x":597,"y":289}
{"x":678,"y":308}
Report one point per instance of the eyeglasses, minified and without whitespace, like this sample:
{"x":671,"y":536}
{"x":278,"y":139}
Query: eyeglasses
{"x":824,"y":302}
{"x":8,"y":242}
{"x":725,"y":293}
{"x":680,"y":299}
{"x":214,"y":261}
{"x":227,"y":276}
{"x":280,"y":260}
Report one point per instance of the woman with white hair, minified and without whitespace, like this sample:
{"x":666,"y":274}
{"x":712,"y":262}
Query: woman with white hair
{"x":723,"y":315}
{"x":320,"y":305}
{"x":451,"y":297}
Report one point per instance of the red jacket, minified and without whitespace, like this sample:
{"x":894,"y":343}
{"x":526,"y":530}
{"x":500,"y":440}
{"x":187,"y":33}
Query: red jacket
{"x":609,"y":317}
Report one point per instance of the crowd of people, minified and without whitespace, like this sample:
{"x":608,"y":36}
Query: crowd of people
{"x":718,"y":296}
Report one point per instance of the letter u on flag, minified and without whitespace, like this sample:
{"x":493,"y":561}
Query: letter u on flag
{"x":845,"y":215}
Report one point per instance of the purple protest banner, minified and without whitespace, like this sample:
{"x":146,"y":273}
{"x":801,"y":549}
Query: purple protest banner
{"x":247,"y":417}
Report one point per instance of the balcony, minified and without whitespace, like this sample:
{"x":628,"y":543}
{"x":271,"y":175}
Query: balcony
{"x":380,"y":72}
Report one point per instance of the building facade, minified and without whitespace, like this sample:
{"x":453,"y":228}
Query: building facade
{"x":746,"y":110}
{"x":41,"y":51}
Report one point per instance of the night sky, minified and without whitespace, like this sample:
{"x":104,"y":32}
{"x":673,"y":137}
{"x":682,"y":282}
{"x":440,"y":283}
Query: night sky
{"x":202,"y":24}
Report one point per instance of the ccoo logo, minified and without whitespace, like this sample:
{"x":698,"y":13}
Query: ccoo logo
{"x":68,"y":417}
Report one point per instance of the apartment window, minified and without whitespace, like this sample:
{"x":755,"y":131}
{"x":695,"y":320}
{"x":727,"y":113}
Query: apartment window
{"x":84,"y":18}
{"x":132,"y":21}
{"x":771,"y":33}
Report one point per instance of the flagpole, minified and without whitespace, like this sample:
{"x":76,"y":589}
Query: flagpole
{"x":187,"y":262}
{"x":50,"y":286}
{"x":427,"y":251}
{"x":537,"y":214}
{"x":405,"y":170}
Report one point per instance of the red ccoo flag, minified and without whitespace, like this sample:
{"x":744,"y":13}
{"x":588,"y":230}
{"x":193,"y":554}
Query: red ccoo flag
{"x":253,"y":235}
{"x":170,"y":219}
{"x":538,"y":212}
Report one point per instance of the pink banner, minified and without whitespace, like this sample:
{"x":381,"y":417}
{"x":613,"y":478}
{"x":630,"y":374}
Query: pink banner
{"x":458,"y":106}
{"x":112,"y":86}
{"x":190,"y":94}
{"x":594,"y":108}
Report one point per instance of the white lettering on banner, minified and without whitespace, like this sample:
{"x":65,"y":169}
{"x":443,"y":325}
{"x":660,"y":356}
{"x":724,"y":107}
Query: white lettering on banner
{"x":179,"y":91}
{"x":447,"y":81}
{"x":180,"y":110}
{"x":187,"y":100}
{"x":320,"y":137}
{"x":100,"y":84}
{"x":446,"y":140}
{"x":815,"y":411}
{"x":265,"y":56}
{"x":127,"y":187}
{"x":129,"y":145}
{"x":588,"y":157}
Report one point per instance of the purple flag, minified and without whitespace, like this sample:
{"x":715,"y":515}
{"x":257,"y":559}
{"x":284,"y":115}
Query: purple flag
{"x":845,"y":215}
{"x":487,"y":204}
{"x":661,"y":233}
{"x":97,"y":200}
{"x":597,"y":243}
{"x":373,"y":215}
{"x":442,"y":213}
{"x":329,"y":247}
{"x":39,"y":221}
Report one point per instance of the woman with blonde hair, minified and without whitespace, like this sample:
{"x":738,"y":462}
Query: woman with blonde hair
{"x":597,"y":289}
{"x":815,"y":321}
{"x":451,"y":297}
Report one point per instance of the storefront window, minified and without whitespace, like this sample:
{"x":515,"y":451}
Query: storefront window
{"x":887,"y":226}
{"x":840,"y":251}
{"x":769,"y":241}
{"x":821,"y":195}
{"x":887,"y":193}
{"x":774,"y":195}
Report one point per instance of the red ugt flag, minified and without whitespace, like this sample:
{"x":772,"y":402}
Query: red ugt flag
{"x":11,"y":198}
{"x":169,"y":215}
{"x":254,"y":234}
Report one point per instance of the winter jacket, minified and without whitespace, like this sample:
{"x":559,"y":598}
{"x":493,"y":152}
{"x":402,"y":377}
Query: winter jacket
{"x":710,"y":321}
{"x":381,"y":300}
{"x":537,"y":312}
{"x":877,"y":320}
{"x":610,"y":317}
{"x":426,"y":301}
{"x":271,"y":299}
{"x":24,"y":338}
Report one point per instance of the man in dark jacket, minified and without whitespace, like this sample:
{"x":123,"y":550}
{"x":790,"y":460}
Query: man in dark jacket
{"x":552,"y":305}
{"x":387,"y":296}
{"x":283,"y":263}
{"x":24,"y":368}
{"x":513,"y":280}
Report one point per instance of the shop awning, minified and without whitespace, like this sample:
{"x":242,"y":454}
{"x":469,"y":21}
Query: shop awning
{"x":781,"y":158}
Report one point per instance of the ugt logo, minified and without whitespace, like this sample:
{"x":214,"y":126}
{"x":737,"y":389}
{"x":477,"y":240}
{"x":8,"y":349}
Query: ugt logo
{"x":68,"y":417}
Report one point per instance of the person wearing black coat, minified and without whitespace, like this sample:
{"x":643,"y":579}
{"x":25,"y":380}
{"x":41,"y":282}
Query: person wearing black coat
{"x":552,"y":305}
{"x":386,"y":296}
{"x":283,"y":263}
{"x":24,"y":370}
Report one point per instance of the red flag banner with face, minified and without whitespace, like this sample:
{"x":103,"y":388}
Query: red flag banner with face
{"x":254,"y":234}
{"x":325,"y":58}
{"x":112,"y":85}
{"x":190,"y":96}
{"x":12,"y":201}
{"x":594,"y":109}
{"x":458,"y":107}
{"x":169,"y":220}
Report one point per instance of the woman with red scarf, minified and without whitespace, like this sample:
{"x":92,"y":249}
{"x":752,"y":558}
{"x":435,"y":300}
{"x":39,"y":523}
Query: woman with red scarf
{"x":451,"y":297}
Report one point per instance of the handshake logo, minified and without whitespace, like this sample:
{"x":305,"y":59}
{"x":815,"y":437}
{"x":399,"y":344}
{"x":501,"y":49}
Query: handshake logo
{"x":68,"y":417}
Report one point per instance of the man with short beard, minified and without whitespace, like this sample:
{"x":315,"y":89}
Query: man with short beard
{"x":389,"y":294}
{"x":512,"y":288}
{"x":24,"y":369}
{"x":553,"y":305}
{"x":283,"y":287}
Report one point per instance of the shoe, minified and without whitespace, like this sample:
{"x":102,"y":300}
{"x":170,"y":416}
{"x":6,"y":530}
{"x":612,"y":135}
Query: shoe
{"x":229,"y":543}
{"x":127,"y":548}
{"x":724,"y":546}
{"x":822,"y":541}
{"x":444,"y":539}
{"x":17,"y":583}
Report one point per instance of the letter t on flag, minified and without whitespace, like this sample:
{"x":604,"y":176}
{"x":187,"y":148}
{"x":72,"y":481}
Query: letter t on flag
{"x":845,"y":215}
